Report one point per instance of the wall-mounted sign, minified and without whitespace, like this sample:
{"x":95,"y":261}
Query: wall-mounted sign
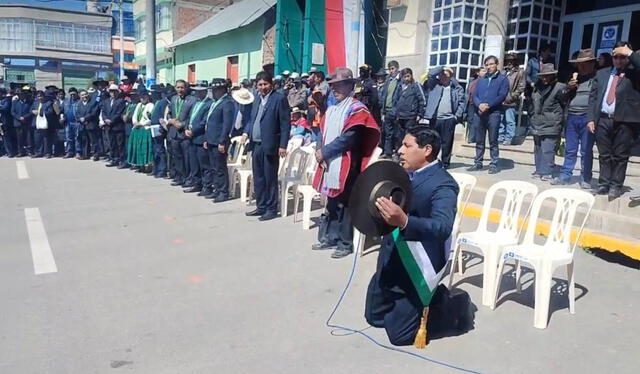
{"x":608,"y":36}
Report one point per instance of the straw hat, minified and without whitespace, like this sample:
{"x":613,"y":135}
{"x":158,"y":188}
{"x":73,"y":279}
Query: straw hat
{"x":242,"y":96}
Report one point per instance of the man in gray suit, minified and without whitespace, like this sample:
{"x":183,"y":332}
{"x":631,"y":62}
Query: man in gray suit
{"x":615,"y":117}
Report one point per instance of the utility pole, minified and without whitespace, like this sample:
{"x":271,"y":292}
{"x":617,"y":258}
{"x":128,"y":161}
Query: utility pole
{"x":121,"y":29}
{"x":150,"y":34}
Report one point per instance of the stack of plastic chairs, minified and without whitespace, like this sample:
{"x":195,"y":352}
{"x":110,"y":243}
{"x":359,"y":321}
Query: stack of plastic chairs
{"x":466,"y":184}
{"x":556,"y":251}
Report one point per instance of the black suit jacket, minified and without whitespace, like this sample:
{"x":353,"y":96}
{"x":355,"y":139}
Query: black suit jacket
{"x":197,"y":125}
{"x":218,"y":127}
{"x":90,"y":112}
{"x":275,"y":123}
{"x":627,"y":93}
{"x":21,"y":109}
{"x":114,"y":113}
{"x":433,"y":210}
{"x":183,"y":116}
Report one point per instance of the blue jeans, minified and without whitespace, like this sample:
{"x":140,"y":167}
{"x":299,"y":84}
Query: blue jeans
{"x":508,"y":125}
{"x":483,"y":124}
{"x":578,"y":135}
{"x":71,"y":138}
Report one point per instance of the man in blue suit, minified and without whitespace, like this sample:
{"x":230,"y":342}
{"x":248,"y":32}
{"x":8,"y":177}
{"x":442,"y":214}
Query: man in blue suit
{"x":22,"y":115}
{"x":392,"y":301}
{"x":269,"y":133}
{"x":216,"y":129}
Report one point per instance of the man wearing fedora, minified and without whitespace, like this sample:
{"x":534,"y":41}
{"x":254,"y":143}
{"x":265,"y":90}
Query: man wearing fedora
{"x":216,"y":129}
{"x":112,"y":110}
{"x":194,"y":140}
{"x":576,"y":132}
{"x":158,"y":117}
{"x":243,"y":98}
{"x":511,"y":104}
{"x":615,"y":117}
{"x":268,"y":131}
{"x":350,"y":134}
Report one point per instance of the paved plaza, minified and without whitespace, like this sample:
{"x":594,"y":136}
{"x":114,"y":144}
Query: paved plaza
{"x":138,"y":277}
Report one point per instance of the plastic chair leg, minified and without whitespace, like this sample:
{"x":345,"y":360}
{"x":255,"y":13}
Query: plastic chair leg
{"x":572,"y":288}
{"x":460,"y":264}
{"x":489,"y":266}
{"x":358,"y":242}
{"x":244,"y":181}
{"x":296,"y":204}
{"x":542,"y":294}
{"x":306,"y":211}
{"x":284,"y":199}
{"x":497,"y":282}
{"x":454,"y":259}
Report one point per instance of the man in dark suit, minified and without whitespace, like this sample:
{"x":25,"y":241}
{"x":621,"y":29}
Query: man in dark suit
{"x":179,"y":113}
{"x":392,"y":300}
{"x":112,"y":110}
{"x":87,"y":112}
{"x":194,"y":136}
{"x":217,"y":128}
{"x":21,"y":113}
{"x":161,"y":102}
{"x":269,"y":133}
{"x":615,"y":117}
{"x":9,"y":132}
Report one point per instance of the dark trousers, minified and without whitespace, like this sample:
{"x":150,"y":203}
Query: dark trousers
{"x":471,"y":114}
{"x":205,"y":168}
{"x":339,"y":229}
{"x":544,"y":153}
{"x":398,"y":313}
{"x":44,"y":142}
{"x":446,"y":128}
{"x":106,"y":142}
{"x":395,"y":130}
{"x":25,"y":139}
{"x":177,"y":160}
{"x":483,"y":124}
{"x":9,"y":140}
{"x":194,"y":174}
{"x":117,"y":145}
{"x":219,"y":171}
{"x":159,"y":157}
{"x":265,"y":177}
{"x":90,"y":141}
{"x":614,"y":140}
{"x":577,"y":135}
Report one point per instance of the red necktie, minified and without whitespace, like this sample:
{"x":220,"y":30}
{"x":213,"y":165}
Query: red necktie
{"x":611,"y":97}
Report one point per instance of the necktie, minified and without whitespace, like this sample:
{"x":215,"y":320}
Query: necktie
{"x":611,"y":96}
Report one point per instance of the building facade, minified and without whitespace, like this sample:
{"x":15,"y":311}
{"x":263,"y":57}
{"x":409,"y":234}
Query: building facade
{"x":54,"y":46}
{"x":235,"y":43}
{"x":128,"y":40}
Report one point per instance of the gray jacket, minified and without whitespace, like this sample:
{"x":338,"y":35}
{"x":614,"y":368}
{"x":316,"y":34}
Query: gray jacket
{"x":433,"y":92}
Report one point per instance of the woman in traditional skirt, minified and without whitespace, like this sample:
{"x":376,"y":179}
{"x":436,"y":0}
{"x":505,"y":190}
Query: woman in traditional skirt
{"x":140,"y":145}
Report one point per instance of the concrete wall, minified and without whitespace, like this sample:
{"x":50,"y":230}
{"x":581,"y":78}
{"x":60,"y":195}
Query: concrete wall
{"x":409,"y":33}
{"x":210,"y":54}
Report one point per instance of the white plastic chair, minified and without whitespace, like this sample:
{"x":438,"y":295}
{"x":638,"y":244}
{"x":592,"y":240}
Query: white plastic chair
{"x":490,"y":243}
{"x":306,"y":190}
{"x":293,"y":176}
{"x":244,"y":175}
{"x":556,"y":250}
{"x":236,"y":158}
{"x":466,"y":184}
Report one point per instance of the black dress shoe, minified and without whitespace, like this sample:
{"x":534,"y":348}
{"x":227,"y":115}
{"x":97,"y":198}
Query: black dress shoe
{"x":493,"y":170}
{"x":614,"y":193}
{"x":322,"y":246}
{"x":192,"y":189}
{"x":205,"y":192}
{"x":177,"y":183}
{"x":268,"y":217}
{"x":111,"y":165}
{"x":254,"y":213}
{"x":475,"y":168}
{"x":341,"y":252}
{"x":96,"y":158}
{"x":221,"y":198}
{"x":68,"y":155}
{"x":124,"y":165}
{"x":212,"y":195}
{"x":602,"y":190}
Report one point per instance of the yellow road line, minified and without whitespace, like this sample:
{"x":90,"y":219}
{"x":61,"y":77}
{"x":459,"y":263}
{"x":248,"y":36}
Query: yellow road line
{"x":588,"y":238}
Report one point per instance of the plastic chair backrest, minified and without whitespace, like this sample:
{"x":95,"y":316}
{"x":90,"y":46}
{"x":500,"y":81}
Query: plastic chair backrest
{"x":515,"y":194}
{"x":238,"y":148}
{"x":284,"y":161}
{"x":466,"y":183}
{"x":311,"y":164}
{"x":567,"y":202}
{"x":296,"y":167}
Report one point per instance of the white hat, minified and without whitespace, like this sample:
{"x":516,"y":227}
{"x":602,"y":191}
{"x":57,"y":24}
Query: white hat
{"x":286,"y":73}
{"x":295,"y":75}
{"x":242,"y":96}
{"x":113,"y":87}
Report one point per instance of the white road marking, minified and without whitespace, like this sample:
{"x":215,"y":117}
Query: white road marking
{"x":43,"y":261}
{"x":22,"y":170}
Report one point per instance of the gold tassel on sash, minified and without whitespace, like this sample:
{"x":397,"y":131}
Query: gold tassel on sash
{"x":422,"y":340}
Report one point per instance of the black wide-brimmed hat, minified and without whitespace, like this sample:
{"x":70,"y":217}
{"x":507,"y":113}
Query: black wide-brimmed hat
{"x":380,"y":179}
{"x":218,"y":83}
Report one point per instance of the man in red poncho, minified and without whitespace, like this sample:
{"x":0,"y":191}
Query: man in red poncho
{"x":350,"y":135}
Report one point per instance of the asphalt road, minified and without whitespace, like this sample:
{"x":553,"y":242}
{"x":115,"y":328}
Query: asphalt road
{"x":151,"y":280}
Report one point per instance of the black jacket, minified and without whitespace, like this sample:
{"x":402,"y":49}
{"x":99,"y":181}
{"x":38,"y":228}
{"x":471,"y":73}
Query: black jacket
{"x":21,"y":109}
{"x":90,"y":111}
{"x":219,"y":124}
{"x":547,"y":112}
{"x":408,"y":103}
{"x":114,"y":113}
{"x":197,"y":124}
{"x":275,"y":123}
